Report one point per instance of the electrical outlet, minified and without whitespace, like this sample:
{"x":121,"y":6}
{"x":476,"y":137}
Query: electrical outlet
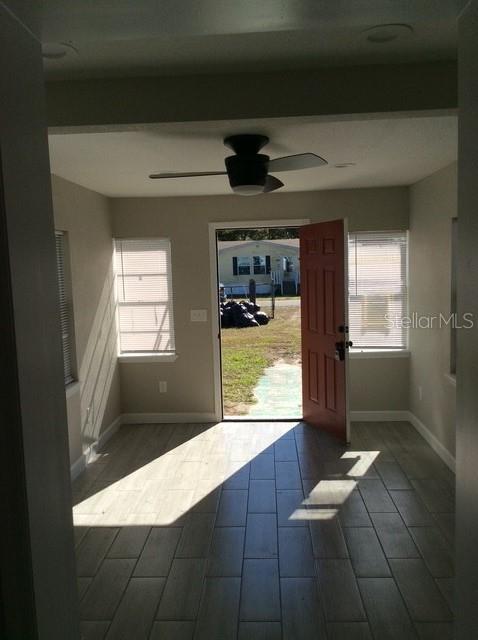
{"x":420,"y":393}
{"x":163,"y":386}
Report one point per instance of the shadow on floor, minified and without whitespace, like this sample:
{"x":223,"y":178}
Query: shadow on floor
{"x":257,"y":528}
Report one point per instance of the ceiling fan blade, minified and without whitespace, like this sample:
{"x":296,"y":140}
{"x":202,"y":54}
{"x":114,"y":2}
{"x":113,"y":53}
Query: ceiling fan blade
{"x":295,"y":162}
{"x":272,"y":183}
{"x":194,"y":174}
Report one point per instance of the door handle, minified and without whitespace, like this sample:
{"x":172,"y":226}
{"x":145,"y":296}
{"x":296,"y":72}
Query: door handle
{"x":340,"y":348}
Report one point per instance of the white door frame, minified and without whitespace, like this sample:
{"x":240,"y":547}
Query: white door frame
{"x":216,"y":337}
{"x":348,"y":429}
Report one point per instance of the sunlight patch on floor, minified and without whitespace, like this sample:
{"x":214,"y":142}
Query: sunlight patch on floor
{"x":159,"y":492}
{"x":364,"y":461}
{"x":330,"y":493}
{"x":314,"y":514}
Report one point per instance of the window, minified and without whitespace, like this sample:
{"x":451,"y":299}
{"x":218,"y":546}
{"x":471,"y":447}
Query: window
{"x":144,"y":294}
{"x":66,"y":323}
{"x":259,"y":263}
{"x":262,"y":264}
{"x":378,"y":296}
{"x":453,"y":307}
{"x":241,"y":266}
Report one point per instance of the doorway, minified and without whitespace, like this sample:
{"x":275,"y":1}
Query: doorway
{"x":258,"y":271}
{"x":295,"y":365}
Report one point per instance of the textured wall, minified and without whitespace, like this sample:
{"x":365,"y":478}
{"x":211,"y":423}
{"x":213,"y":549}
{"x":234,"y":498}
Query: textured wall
{"x":185,"y":220}
{"x":466,"y":596}
{"x":36,"y":438}
{"x":85,"y":217}
{"x":433,"y":203}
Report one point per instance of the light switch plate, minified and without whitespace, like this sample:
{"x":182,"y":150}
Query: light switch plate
{"x":198,"y":315}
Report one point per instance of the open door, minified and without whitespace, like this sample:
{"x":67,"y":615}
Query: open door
{"x":324,"y":323}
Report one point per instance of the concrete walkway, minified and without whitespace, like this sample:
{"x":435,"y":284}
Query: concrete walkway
{"x":278,"y":393}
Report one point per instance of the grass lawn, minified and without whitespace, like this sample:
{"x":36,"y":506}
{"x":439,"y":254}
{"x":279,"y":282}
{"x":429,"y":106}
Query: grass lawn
{"x":247,"y":352}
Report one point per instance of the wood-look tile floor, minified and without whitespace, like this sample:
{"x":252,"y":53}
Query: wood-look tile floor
{"x":262,"y":531}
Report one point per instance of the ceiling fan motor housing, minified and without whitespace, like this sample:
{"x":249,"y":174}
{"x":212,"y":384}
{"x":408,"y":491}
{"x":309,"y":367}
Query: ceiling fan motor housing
{"x":246,"y":170}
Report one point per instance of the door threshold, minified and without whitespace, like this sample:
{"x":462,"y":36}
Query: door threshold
{"x":260,"y":419}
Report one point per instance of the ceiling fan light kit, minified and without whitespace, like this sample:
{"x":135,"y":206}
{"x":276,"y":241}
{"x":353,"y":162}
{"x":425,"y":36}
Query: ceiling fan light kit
{"x":247,"y":173}
{"x":248,"y":170}
{"x":248,"y":189}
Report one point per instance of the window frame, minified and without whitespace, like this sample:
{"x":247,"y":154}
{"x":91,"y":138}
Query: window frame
{"x":160,"y":355}
{"x":369,"y":350}
{"x":248,"y":266}
{"x":65,"y":299}
{"x":262,"y":266}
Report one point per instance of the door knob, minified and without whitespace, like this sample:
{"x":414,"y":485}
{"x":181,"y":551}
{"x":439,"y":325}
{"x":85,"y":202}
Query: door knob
{"x":340,"y":348}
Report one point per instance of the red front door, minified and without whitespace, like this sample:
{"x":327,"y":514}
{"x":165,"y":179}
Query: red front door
{"x":324,"y":326}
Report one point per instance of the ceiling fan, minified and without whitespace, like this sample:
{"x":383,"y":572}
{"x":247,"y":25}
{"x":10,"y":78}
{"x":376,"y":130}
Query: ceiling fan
{"x":248,"y":170}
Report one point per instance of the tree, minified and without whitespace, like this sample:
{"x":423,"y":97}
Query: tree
{"x":274,"y":233}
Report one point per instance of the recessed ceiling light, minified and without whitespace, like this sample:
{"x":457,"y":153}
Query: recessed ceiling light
{"x":344,"y":165}
{"x":57,"y":50}
{"x":383,"y":33}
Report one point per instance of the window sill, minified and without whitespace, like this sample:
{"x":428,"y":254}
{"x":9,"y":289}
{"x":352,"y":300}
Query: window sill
{"x":147,"y":357}
{"x":72,"y":388}
{"x":369,"y":354}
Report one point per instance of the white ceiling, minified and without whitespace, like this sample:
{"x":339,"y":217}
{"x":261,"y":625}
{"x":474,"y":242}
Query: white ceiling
{"x":147,"y":37}
{"x":396,"y":151}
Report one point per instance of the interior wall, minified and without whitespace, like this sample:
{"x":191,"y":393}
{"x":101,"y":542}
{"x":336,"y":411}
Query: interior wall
{"x":185,"y":221}
{"x":379,"y":384}
{"x":94,"y":403}
{"x":433,"y":203}
{"x":466,"y":589}
{"x":38,"y":591}
{"x":326,"y":91}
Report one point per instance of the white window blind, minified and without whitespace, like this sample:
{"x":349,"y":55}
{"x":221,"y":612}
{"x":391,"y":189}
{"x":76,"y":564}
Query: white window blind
{"x":378,"y":292}
{"x":65,"y":309}
{"x":144,"y":294}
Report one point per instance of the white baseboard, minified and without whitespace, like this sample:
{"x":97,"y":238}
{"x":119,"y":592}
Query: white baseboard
{"x":162,"y":418}
{"x":379,"y":416}
{"x":108,"y":433}
{"x":80,"y":464}
{"x":407,"y":416}
{"x":433,"y":441}
{"x":135,"y":418}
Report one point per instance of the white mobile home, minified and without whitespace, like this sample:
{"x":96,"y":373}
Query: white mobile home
{"x":266,"y":261}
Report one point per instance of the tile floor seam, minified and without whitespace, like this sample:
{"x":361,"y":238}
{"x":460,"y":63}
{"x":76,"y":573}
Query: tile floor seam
{"x":242,"y":564}
{"x":307,"y":444}
{"x":317,"y":580}
{"x":126,"y":588}
{"x":278,"y":552}
{"x":383,"y":552}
